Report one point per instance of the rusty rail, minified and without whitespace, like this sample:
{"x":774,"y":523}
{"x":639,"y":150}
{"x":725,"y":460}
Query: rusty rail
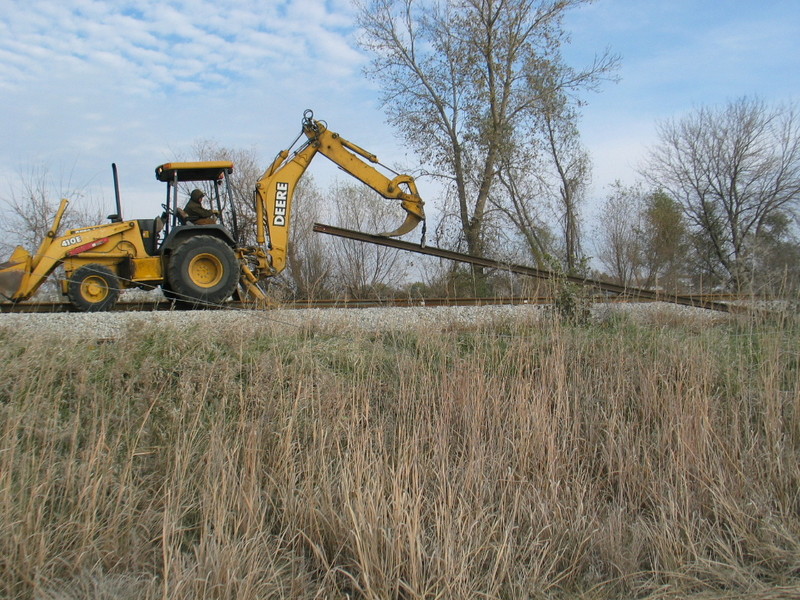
{"x":613,"y":288}
{"x":43,"y":307}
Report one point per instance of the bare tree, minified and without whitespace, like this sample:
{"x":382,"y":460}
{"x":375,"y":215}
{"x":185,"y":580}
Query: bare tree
{"x":364,"y":269}
{"x":523,"y":201}
{"x":463,"y":80}
{"x":641,"y":238}
{"x":618,"y":244}
{"x":732,"y":170}
{"x":31,"y":204}
{"x":548,"y":177}
{"x":571,"y":167}
{"x":663,"y":240}
{"x":309,"y":263}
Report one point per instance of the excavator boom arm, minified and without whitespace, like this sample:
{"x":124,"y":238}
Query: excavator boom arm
{"x":275,"y":189}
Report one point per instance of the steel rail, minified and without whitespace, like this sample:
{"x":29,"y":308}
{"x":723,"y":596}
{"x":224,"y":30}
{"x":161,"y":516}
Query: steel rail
{"x":352,"y":303}
{"x":630,"y":292}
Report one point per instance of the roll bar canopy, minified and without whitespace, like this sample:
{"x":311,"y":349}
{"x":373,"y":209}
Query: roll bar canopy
{"x":194,"y":171}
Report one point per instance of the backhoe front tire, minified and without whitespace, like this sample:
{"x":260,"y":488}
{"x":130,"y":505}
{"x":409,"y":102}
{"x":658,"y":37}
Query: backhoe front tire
{"x":202,"y":272}
{"x":93,"y":288}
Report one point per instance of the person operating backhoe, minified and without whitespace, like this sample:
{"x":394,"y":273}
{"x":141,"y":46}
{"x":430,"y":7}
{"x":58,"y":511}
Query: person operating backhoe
{"x":195,"y":211}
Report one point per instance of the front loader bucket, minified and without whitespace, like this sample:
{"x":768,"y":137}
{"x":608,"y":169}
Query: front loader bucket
{"x":13,"y":271}
{"x":10,"y":280}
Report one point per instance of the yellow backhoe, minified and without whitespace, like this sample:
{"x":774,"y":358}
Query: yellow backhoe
{"x":195,"y":265}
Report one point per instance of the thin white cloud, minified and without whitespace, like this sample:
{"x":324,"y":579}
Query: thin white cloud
{"x":194,"y":40}
{"x":136,"y":81}
{"x":89,"y":82}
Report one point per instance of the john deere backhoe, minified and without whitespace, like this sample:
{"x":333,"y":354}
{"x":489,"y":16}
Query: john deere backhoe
{"x":195,"y":265}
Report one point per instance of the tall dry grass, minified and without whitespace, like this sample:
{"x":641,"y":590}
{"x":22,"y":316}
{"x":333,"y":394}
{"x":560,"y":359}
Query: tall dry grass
{"x":525,"y":461}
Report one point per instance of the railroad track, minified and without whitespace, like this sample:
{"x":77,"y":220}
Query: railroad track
{"x":164,"y":305}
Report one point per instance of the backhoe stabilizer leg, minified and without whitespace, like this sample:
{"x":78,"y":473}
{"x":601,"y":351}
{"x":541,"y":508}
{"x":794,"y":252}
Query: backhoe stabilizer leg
{"x":250,"y":292}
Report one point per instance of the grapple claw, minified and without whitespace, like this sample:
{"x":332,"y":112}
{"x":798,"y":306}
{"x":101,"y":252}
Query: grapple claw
{"x":409,"y":224}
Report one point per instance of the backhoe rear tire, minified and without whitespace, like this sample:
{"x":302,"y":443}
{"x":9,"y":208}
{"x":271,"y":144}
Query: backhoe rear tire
{"x":93,"y":288}
{"x":202,"y":272}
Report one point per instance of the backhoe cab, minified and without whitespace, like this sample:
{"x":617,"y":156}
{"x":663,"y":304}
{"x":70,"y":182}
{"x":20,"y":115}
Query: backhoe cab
{"x":196,"y":265}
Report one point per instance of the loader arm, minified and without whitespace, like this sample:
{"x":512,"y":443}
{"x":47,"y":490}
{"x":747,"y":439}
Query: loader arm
{"x":24,"y":273}
{"x":275,"y":189}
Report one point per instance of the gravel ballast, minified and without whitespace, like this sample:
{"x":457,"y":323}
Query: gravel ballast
{"x":113,"y":324}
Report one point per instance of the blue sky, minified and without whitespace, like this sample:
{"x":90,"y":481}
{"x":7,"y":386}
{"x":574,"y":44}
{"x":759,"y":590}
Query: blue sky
{"x":84,"y":83}
{"x":678,"y":55}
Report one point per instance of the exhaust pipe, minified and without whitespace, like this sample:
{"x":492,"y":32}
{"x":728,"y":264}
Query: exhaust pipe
{"x":117,"y":217}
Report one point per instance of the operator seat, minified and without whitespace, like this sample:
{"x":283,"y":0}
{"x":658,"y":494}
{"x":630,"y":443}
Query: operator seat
{"x":150,"y":228}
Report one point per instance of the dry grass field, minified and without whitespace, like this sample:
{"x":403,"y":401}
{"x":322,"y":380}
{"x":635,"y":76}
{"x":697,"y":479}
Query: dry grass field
{"x":526,"y":460}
